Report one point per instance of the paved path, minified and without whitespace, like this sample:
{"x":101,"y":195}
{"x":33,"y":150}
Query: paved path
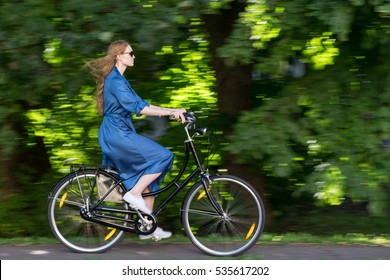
{"x":169,"y":251}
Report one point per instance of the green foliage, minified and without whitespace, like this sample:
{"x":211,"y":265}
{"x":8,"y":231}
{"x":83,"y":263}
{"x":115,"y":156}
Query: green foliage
{"x":255,"y":28}
{"x":328,"y":132}
{"x":48,"y":99}
{"x":70,"y":129}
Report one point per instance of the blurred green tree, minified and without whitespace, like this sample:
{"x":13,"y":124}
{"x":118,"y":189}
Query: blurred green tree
{"x":47,"y":107}
{"x":311,"y":77}
{"x":325,"y":129}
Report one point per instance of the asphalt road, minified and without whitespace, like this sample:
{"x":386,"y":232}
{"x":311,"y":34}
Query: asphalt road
{"x":170,"y":251}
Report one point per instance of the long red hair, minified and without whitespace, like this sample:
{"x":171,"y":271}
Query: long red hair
{"x":101,"y":67}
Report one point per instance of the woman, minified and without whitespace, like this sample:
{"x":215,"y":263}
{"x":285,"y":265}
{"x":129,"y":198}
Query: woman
{"x":141,"y":162}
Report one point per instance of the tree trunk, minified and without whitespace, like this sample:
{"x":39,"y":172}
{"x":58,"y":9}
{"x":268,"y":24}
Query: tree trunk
{"x":233,"y":86}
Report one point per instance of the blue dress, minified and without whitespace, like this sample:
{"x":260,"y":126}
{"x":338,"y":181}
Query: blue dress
{"x":131,"y":154}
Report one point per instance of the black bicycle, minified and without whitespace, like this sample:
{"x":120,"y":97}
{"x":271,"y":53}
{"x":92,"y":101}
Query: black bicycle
{"x":222,"y":215}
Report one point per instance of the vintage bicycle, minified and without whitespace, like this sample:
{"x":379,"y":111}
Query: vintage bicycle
{"x":223,"y":215}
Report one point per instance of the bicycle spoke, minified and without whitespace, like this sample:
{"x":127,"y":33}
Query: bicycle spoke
{"x":203,"y":213}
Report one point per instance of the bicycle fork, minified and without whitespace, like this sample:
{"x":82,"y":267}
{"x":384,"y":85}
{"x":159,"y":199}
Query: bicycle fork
{"x":206,"y":181}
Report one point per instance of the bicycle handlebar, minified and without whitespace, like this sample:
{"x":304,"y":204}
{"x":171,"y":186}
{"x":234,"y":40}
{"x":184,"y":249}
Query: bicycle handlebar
{"x":190,"y":117}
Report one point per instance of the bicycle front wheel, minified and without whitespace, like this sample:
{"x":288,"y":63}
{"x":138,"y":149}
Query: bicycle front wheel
{"x":75,"y":192}
{"x":233,"y":228}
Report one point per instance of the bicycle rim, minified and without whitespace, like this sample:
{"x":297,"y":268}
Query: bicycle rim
{"x":228,"y":234}
{"x":76,"y":191}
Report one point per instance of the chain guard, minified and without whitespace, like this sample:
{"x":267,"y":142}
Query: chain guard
{"x":132,"y":223}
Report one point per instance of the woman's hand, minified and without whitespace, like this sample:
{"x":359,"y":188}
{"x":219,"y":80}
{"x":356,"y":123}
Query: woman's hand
{"x":178,"y":114}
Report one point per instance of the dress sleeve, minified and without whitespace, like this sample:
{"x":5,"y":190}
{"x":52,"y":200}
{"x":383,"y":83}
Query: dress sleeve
{"x":127,"y":97}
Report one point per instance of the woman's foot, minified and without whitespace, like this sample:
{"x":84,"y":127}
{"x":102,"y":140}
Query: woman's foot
{"x":136,"y":202}
{"x":157,"y":235}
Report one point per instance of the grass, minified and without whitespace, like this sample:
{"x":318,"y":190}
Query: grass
{"x":266,"y":239}
{"x":338,"y":239}
{"x":313,"y":227}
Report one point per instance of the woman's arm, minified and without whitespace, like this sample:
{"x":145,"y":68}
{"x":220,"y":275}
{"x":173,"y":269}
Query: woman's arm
{"x":153,"y":110}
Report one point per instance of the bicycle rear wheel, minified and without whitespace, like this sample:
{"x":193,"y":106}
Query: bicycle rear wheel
{"x":74,"y":192}
{"x":231,"y":232}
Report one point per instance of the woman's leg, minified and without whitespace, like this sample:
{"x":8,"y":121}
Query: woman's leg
{"x":149,"y":200}
{"x":142,"y":187}
{"x":143,"y":183}
{"x":134,"y":196}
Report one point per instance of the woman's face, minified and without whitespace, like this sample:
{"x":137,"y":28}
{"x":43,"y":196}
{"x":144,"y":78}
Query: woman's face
{"x":127,"y":57}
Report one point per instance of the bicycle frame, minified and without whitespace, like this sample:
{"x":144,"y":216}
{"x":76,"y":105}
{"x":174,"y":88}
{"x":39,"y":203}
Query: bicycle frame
{"x":198,"y":171}
{"x":87,"y":212}
{"x":175,"y":182}
{"x":189,"y":147}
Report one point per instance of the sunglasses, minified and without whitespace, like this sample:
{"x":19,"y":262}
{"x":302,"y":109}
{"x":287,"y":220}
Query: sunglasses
{"x":130,"y":53}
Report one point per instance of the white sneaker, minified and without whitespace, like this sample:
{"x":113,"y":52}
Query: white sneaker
{"x":136,"y":202}
{"x":157,"y":235}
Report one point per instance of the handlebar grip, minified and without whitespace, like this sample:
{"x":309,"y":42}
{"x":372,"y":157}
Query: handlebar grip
{"x":190,"y":117}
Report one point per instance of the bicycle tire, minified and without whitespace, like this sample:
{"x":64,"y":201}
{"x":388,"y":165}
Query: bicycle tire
{"x":232,"y":233}
{"x":71,"y":194}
